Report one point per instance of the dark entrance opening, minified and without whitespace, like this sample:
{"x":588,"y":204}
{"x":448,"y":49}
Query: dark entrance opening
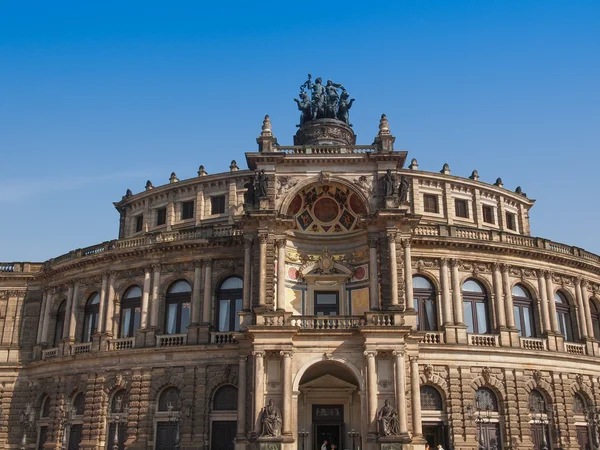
{"x":435,"y":433}
{"x":490,"y":437}
{"x":583,"y":437}
{"x":223,"y":435}
{"x":75,"y":436}
{"x":328,"y":421}
{"x":166,"y":435}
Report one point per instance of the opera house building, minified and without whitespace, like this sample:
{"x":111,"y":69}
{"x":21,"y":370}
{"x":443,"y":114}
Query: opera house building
{"x":328,"y":296}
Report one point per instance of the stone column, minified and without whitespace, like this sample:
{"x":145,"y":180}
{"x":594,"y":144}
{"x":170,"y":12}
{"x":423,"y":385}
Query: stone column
{"x":280,"y":274}
{"x":145,"y":297}
{"x":38,"y":339}
{"x":247,"y":273}
{"x":546,"y":327}
{"x":551,"y":302}
{"x":373,"y":274}
{"x":196,"y":293}
{"x":262,"y":269}
{"x":586,"y":308}
{"x":207,"y":291}
{"x":259,"y":387}
{"x":241,"y":400}
{"x":457,"y":294}
{"x":73,"y":311}
{"x":103,"y":295}
{"x":401,"y":390}
{"x":65,"y":330}
{"x":408,"y":281}
{"x":393,"y":269}
{"x":446,"y":299}
{"x":372,"y":390}
{"x":508,"y":299}
{"x":415,"y":391}
{"x":49,"y":299}
{"x":581,"y":316}
{"x":155,"y":296}
{"x":499,"y":297}
{"x":287,"y":392}
{"x":110,"y":304}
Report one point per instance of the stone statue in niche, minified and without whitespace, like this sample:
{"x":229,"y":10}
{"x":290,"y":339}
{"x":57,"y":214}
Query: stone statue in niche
{"x":249,"y":195}
{"x":389,"y":183}
{"x":271,"y":420}
{"x":403,"y":189}
{"x":260,"y":184}
{"x":387,"y":420}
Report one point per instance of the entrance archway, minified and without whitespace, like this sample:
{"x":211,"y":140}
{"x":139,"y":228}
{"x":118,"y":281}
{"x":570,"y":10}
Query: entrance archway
{"x":328,"y":405}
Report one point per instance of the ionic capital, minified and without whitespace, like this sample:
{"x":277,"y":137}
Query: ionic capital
{"x":444,"y":262}
{"x":242,"y":359}
{"x":370,"y":353}
{"x":280,"y":242}
{"x":454,"y":262}
{"x":399,"y":353}
{"x":405,"y":243}
{"x":287,"y":353}
{"x":258,"y":354}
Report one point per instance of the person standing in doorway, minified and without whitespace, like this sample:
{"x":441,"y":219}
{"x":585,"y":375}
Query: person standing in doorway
{"x":325,"y":445}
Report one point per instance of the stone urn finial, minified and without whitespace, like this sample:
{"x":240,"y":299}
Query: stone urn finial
{"x":233,"y":167}
{"x":384,"y":126}
{"x":201,"y":171}
{"x":474,"y":175}
{"x":446,"y":169}
{"x":499,"y":182}
{"x":149,"y":185}
{"x":414,"y":165}
{"x":266,"y":127}
{"x":173,"y":178}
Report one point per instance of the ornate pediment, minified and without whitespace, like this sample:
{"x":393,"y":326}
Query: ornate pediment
{"x":327,"y":383}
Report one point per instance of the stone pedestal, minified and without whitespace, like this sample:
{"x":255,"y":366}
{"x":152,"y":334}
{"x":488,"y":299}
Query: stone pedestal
{"x":269,"y":443}
{"x":401,"y":442}
{"x":193,"y":334}
{"x":325,"y":132}
{"x":203,"y":334}
{"x":245,"y":319}
{"x":592,"y":347}
{"x":391,"y":202}
{"x":263,"y":203}
{"x":145,"y":338}
{"x":456,"y":334}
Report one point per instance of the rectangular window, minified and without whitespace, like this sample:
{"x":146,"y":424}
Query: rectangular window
{"x":488,"y":214}
{"x":511,"y":222}
{"x":461,"y":208}
{"x":139,"y":223}
{"x":161,"y":216}
{"x":217,"y":204}
{"x":187,"y":210}
{"x":468,"y":313}
{"x":326,"y":303}
{"x":430,"y":203}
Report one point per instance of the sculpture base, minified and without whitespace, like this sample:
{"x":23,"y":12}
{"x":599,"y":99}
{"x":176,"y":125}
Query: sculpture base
{"x":325,"y":132}
{"x":399,"y":442}
{"x":269,"y":443}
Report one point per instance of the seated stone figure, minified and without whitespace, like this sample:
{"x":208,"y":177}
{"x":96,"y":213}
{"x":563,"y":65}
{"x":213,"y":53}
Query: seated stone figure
{"x":387,"y":420}
{"x":271,"y":420}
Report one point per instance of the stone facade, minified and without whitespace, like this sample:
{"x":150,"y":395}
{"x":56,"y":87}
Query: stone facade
{"x":325,"y":296}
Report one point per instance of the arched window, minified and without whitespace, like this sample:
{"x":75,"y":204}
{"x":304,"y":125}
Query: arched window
{"x":537,"y":402}
{"x":523,"y":311}
{"x":79,"y":404}
{"x":60,"y":323}
{"x":579,"y":405}
{"x":229,"y":303}
{"x":45,"y":409}
{"x":485,"y":399}
{"x":90,"y":320}
{"x":595,"y":312}
{"x":178,"y":307}
{"x":431,"y":400}
{"x":475,"y":303}
{"x":131,"y":311}
{"x":563,"y":316}
{"x":225,"y":398}
{"x":169,"y":399}
{"x":424,"y":303}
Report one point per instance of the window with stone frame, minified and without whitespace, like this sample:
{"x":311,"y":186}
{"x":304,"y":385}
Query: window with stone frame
{"x":431,"y":400}
{"x":537,"y":402}
{"x":79,"y":404}
{"x":60,"y":323}
{"x":217,"y":204}
{"x":131,"y":312}
{"x":595,"y":313}
{"x":187,"y":210}
{"x":461,"y":208}
{"x":169,"y":399}
{"x":579,"y":404}
{"x":178,"y":304}
{"x":563,"y":316}
{"x":229,"y":304}
{"x":485,"y":399}
{"x":225,"y":398}
{"x":511,"y":221}
{"x":139,"y":223}
{"x":161,"y":216}
{"x":488,"y":214}
{"x":430,"y":203}
{"x":523,"y":309}
{"x":424,"y":304}
{"x":475,"y":307}
{"x":90,"y":317}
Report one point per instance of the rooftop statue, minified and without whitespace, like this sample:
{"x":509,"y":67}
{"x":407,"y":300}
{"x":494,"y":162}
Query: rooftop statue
{"x":326,"y":101}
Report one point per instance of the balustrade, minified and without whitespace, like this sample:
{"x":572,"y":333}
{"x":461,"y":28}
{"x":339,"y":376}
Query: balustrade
{"x":533,"y":344}
{"x":327,"y":322}
{"x":222,"y":337}
{"x":432,"y":338}
{"x":575,"y":349}
{"x":78,"y":349}
{"x":171,"y":340}
{"x":382,"y":320}
{"x":121,"y":344}
{"x":483,"y":340}
{"x":50,"y":353}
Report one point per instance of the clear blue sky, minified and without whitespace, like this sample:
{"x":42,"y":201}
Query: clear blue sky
{"x":97,"y":97}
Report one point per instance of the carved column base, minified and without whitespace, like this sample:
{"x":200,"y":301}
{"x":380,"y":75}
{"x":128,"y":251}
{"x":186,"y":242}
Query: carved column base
{"x":391,"y":202}
{"x":400,"y":442}
{"x":556,"y":342}
{"x":263,"y":203}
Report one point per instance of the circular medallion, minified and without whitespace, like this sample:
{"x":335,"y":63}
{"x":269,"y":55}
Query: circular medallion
{"x":293,"y":273}
{"x":359,"y":273}
{"x":326,"y":210}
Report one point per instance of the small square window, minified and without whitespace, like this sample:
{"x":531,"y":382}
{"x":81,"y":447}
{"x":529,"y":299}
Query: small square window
{"x":488,"y":214}
{"x":161,"y":216}
{"x":139,"y":223}
{"x":430,"y":203}
{"x":187,"y":210}
{"x":511,"y":221}
{"x":217,"y":204}
{"x":461,"y":208}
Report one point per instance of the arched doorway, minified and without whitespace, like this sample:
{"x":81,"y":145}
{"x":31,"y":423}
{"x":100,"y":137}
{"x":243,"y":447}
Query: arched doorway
{"x":329,"y":407}
{"x":433,"y":416}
